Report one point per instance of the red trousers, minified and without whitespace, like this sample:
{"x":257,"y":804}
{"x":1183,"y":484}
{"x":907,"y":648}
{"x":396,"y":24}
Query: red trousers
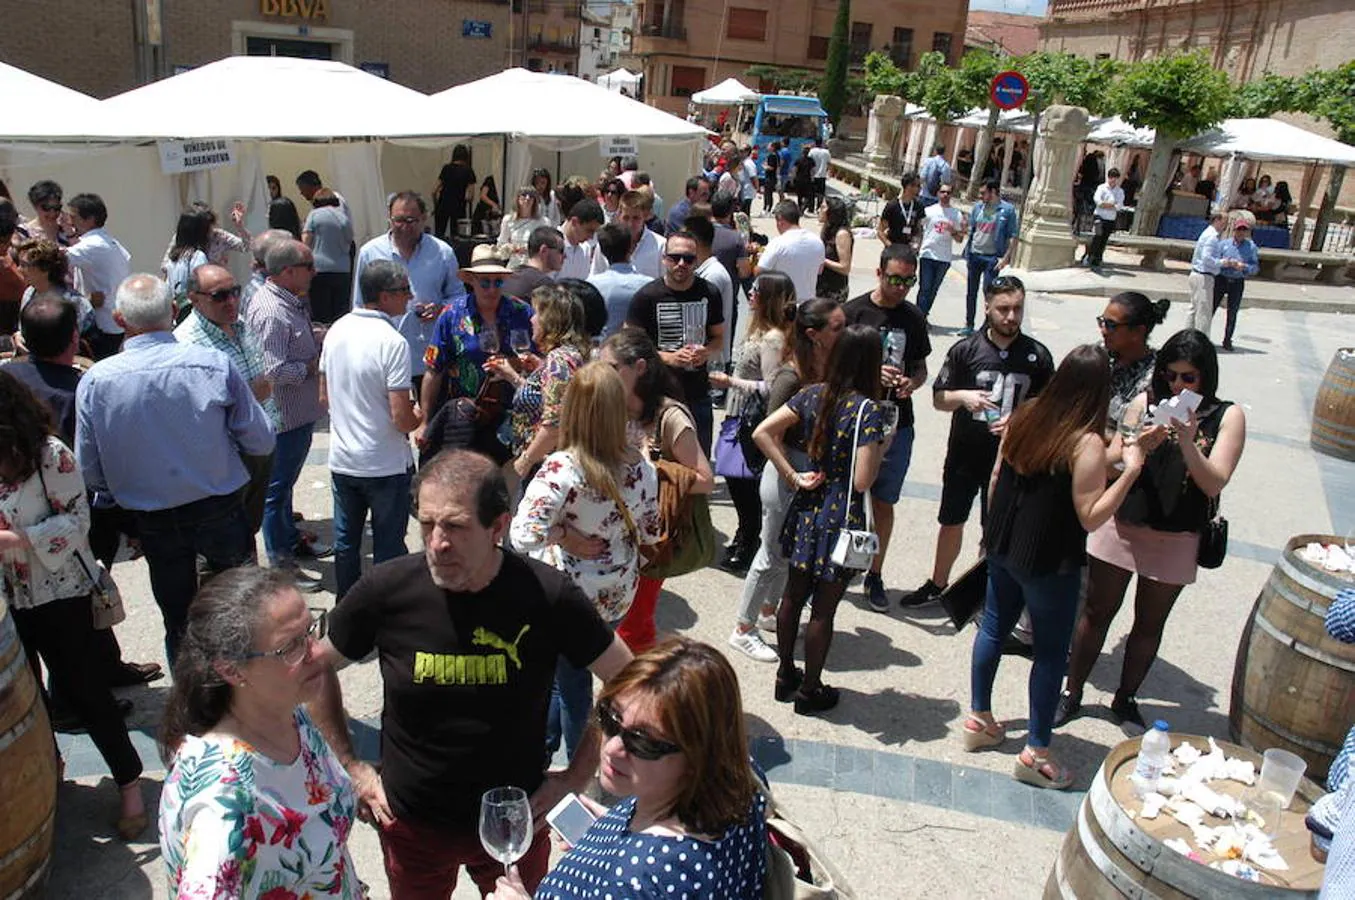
{"x":423,"y":861}
{"x":637,"y":626}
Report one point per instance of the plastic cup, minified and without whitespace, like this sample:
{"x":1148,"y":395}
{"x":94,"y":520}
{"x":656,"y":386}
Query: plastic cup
{"x":1281,"y":772}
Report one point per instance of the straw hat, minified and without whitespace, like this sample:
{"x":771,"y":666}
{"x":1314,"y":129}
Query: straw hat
{"x":485,"y":260}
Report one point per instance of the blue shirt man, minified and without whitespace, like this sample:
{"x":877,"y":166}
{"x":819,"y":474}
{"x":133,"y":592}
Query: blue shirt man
{"x":1204,"y":266}
{"x":161,"y":427}
{"x":433,"y":272}
{"x":619,"y":282}
{"x":698,"y":191}
{"x":1238,"y":258}
{"x":934,"y":173}
{"x":993,"y":227}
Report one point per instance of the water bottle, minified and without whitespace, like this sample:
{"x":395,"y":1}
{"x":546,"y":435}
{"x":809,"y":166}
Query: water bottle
{"x":1153,"y":751}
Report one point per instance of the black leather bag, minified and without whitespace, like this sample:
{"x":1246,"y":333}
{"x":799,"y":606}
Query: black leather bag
{"x":1213,"y":543}
{"x":964,"y":597}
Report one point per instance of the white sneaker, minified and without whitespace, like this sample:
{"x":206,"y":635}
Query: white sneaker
{"x":752,"y":644}
{"x":767,"y":623}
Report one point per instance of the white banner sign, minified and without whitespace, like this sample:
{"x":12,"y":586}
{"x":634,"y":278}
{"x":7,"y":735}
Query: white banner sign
{"x":618,"y":145}
{"x":195,"y":156}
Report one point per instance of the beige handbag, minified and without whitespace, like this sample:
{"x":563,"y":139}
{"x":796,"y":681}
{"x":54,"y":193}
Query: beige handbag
{"x":796,"y":869}
{"x":104,"y":595}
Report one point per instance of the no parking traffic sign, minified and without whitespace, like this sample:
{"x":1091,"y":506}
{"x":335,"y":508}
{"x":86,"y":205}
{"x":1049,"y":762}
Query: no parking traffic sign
{"x":1009,"y":90}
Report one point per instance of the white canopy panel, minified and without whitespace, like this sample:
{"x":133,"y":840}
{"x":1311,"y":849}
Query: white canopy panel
{"x":536,"y":105}
{"x":54,"y":109}
{"x":622,"y":77}
{"x":729,"y":92}
{"x":1269,"y":139}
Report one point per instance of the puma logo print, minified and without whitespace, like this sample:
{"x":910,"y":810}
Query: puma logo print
{"x":483,"y":637}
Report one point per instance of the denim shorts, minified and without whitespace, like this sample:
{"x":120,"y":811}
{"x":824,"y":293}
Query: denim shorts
{"x":894,"y":468}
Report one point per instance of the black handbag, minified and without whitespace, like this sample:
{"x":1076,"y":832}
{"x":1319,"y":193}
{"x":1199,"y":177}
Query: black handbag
{"x":965,"y":596}
{"x":1213,"y":543}
{"x":754,"y":411}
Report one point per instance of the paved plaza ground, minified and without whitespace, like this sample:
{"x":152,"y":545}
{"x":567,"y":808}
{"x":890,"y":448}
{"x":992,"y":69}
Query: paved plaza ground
{"x":881,"y":781}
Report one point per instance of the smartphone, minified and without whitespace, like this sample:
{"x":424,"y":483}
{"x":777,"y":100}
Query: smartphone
{"x":570,"y":819}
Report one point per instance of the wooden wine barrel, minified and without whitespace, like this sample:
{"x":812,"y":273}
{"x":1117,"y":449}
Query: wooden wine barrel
{"x":27,"y":772}
{"x":1293,"y":684}
{"x":1110,"y":853}
{"x":1333,"y":430}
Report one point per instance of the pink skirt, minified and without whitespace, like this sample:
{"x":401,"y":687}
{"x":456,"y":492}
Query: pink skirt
{"x":1165,"y":556}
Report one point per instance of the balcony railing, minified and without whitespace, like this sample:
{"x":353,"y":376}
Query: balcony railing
{"x":553,"y":45}
{"x":672,"y":32}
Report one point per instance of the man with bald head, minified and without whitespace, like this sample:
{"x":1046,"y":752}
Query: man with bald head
{"x":215,"y":322}
{"x":160,"y":429}
{"x":280,"y":319}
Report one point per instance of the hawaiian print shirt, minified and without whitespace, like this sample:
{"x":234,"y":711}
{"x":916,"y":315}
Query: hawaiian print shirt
{"x":234,"y":823}
{"x":456,"y":348}
{"x":541,"y":397}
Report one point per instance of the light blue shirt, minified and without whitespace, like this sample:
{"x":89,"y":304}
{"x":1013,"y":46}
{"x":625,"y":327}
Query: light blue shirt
{"x":162,"y":424}
{"x":1205,"y":259}
{"x":1245,"y":252}
{"x":935,"y":172}
{"x":433,"y":277}
{"x":617,"y":286}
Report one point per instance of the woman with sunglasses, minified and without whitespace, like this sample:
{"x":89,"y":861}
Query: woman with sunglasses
{"x":45,"y":196}
{"x":610,"y":197}
{"x":1156,"y":533}
{"x":840,"y":424}
{"x":254,"y":802}
{"x":1125,"y":325}
{"x":692,"y":823}
{"x":46,"y":582}
{"x":539,"y":395}
{"x":519,"y":224}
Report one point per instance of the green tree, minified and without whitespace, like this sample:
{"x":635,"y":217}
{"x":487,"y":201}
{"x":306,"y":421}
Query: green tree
{"x":882,"y":76}
{"x":783,"y":79}
{"x":1065,"y":78}
{"x":1178,"y":95}
{"x":833,"y":91}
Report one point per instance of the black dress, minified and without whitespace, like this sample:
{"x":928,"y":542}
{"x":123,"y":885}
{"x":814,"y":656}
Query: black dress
{"x":456,"y":178}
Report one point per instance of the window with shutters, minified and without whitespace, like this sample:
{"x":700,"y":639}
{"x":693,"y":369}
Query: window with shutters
{"x":860,"y":45}
{"x":745,"y":24}
{"x":901,"y":48}
{"x":818,"y":47}
{"x":687,"y":80}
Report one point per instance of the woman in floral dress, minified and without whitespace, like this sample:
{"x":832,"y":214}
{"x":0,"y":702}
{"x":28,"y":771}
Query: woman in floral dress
{"x":590,"y":507}
{"x":45,"y":580}
{"x":255,"y":804}
{"x":828,"y":415}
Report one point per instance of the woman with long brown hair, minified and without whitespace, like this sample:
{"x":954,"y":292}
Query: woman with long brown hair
{"x":843,"y":432}
{"x":1047,"y":490}
{"x":755,"y":360}
{"x":591,"y":506}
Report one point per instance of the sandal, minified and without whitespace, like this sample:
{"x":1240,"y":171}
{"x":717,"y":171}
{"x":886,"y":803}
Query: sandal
{"x":787,"y":686}
{"x":985,"y":736}
{"x":1041,"y":771}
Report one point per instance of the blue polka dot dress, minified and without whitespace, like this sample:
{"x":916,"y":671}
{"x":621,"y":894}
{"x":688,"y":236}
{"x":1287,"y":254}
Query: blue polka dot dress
{"x":613,"y":863}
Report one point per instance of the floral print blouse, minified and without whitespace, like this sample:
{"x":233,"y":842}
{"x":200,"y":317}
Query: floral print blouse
{"x":542,"y":395}
{"x":56,"y":522}
{"x":560,"y":495}
{"x":234,"y":823}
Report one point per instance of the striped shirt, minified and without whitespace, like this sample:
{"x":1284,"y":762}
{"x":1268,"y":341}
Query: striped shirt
{"x":242,"y":349}
{"x":281,"y":323}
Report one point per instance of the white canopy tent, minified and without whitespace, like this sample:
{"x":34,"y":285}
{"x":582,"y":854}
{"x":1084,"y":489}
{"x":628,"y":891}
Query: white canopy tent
{"x":730,"y":92}
{"x":560,"y":123}
{"x":621,"y":78}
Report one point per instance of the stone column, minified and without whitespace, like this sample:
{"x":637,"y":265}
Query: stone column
{"x":1047,"y":241}
{"x":884,"y":117}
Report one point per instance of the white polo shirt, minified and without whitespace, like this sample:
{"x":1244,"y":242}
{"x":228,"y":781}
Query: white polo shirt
{"x":798,"y":253}
{"x":578,"y":260}
{"x":101,"y":264}
{"x":647,"y":257}
{"x":363,"y":360}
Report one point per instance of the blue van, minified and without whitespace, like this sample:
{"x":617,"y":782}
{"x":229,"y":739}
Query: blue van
{"x":784,"y":118}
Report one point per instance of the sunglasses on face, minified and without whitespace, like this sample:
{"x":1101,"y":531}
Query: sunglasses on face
{"x":294,"y":651}
{"x":900,"y":280}
{"x":404,"y":220}
{"x":1110,"y":324}
{"x":637,"y":743}
{"x":221,"y":295}
{"x":487,"y":283}
{"x":676,"y":258}
{"x":1171,"y":376}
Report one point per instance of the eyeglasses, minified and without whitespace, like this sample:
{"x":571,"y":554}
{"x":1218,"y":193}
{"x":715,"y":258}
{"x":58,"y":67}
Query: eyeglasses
{"x":1171,"y":376}
{"x":677,"y":258}
{"x":222,"y":295}
{"x":900,"y":280}
{"x":1110,"y":324}
{"x":637,"y":743}
{"x":294,"y":651}
{"x":400,"y":289}
{"x":405,"y":220}
{"x":487,"y":283}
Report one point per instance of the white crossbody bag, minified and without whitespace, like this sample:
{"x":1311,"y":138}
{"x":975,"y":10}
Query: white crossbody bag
{"x":855,"y":549}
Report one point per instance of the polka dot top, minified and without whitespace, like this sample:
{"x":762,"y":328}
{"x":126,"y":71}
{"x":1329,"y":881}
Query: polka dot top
{"x":613,"y":863}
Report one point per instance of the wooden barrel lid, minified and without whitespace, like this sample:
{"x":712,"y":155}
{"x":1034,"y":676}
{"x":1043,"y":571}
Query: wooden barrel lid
{"x":1112,"y":802}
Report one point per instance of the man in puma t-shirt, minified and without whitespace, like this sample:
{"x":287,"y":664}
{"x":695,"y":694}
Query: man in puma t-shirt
{"x":468,"y":636}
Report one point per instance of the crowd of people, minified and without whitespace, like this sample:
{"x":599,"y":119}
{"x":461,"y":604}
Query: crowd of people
{"x":546,"y":412}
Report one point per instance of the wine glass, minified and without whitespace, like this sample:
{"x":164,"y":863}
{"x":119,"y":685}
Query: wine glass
{"x":520,"y":340}
{"x":1131,"y":424}
{"x":489,"y":341}
{"x":505,"y":824}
